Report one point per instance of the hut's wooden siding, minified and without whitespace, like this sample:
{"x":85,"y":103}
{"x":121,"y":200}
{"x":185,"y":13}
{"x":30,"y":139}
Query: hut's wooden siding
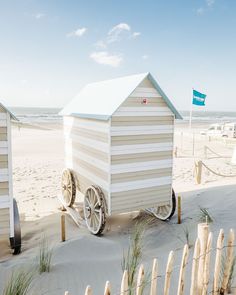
{"x":87,"y":145}
{"x":4,"y":174}
{"x":141,"y":151}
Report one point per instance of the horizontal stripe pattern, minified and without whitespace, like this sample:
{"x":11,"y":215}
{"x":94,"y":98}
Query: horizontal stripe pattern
{"x":3,"y":144}
{"x":86,"y":133}
{"x":141,"y":139}
{"x":3,"y":116}
{"x":139,"y":130}
{"x":141,"y":148}
{"x":141,"y":157}
{"x":89,"y":175}
{"x":87,"y":146}
{"x":142,"y":111}
{"x":137,"y":199}
{"x":145,"y":92}
{"x":140,"y":166}
{"x":3,"y":150}
{"x":141,"y":184}
{"x":141,"y":152}
{"x":140,"y":175}
{"x":87,"y":124}
{"x":4,"y":219}
{"x":3,"y":123}
{"x":141,"y":121}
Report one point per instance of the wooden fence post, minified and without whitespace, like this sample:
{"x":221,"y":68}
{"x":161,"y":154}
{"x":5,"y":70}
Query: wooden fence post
{"x":207,"y":265}
{"x":88,"y":291}
{"x":107,"y":290}
{"x":169,"y":269}
{"x":153,"y":289}
{"x":198,"y":172}
{"x":218,"y":261}
{"x":124,"y":284}
{"x":203,"y":232}
{"x":228,"y":262}
{"x":179,"y":209}
{"x":195,"y":264}
{"x":63,"y":228}
{"x":140,"y":279}
{"x":182,"y":270}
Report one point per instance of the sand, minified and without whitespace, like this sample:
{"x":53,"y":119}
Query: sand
{"x":38,"y":159}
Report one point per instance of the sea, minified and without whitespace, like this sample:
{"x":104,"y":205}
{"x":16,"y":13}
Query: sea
{"x":51,"y":115}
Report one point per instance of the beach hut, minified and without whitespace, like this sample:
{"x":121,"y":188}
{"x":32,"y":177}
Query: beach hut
{"x":119,"y":149}
{"x":9,"y":216}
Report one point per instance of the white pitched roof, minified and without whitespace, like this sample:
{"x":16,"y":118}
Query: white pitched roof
{"x":12,"y":116}
{"x":100,"y":100}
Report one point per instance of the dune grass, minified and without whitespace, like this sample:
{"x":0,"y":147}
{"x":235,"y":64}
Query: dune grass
{"x":133,"y":256}
{"x":19,"y":282}
{"x":45,"y":256}
{"x":205,"y":215}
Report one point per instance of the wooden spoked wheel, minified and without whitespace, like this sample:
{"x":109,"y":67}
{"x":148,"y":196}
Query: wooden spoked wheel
{"x":68,"y":187}
{"x":16,"y":240}
{"x":164,"y":212}
{"x":95,"y":210}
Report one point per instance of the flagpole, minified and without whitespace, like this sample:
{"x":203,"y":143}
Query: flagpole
{"x":191,"y":111}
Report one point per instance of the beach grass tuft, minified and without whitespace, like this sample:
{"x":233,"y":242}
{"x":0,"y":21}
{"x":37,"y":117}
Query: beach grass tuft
{"x":205,"y":215}
{"x":133,"y":256}
{"x":45,"y":256}
{"x":19,"y":283}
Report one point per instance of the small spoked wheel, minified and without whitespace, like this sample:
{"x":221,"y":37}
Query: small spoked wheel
{"x":164,"y":212}
{"x":68,"y":187}
{"x":95,"y":210}
{"x":15,"y":241}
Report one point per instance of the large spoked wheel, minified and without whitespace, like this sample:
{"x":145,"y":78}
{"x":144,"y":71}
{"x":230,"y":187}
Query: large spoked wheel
{"x":68,"y":187}
{"x":164,"y":212}
{"x":95,"y":210}
{"x":16,"y":240}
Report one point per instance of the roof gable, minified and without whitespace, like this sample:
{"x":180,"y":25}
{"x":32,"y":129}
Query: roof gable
{"x":100,"y":100}
{"x":13,"y":117}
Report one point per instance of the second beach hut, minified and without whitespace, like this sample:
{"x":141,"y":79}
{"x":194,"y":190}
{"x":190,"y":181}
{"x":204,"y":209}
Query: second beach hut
{"x":119,"y":149}
{"x":9,"y":216}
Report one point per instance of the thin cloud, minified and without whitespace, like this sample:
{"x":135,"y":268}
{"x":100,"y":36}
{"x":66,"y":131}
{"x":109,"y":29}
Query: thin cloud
{"x":101,"y":44}
{"x":116,"y":32}
{"x":145,"y":56}
{"x":136,"y":34}
{"x":77,"y":33}
{"x":210,"y":2}
{"x":208,"y":5}
{"x":200,"y":11}
{"x":39,"y":15}
{"x":104,"y":58}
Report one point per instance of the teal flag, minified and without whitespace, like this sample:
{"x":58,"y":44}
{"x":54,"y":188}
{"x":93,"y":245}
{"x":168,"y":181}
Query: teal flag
{"x":198,"y":98}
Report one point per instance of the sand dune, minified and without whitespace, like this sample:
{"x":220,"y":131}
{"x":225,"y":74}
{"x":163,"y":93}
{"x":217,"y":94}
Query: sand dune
{"x":84,"y":259}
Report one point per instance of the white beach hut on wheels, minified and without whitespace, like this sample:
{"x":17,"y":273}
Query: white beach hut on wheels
{"x":9,"y":216}
{"x":119,"y":149}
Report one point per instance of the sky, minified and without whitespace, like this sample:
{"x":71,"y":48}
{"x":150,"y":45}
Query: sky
{"x":50,"y":49}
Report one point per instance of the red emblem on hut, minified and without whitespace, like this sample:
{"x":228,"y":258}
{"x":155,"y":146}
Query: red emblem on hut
{"x":144,"y":101}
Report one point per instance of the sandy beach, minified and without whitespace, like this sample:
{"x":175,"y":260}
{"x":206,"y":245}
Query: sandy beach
{"x":38,"y":160}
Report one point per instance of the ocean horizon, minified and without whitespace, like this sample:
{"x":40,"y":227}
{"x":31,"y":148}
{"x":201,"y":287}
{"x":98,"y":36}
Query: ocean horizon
{"x":43,"y":114}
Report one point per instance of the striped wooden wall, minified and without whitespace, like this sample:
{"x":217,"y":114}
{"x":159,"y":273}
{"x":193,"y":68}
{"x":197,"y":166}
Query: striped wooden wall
{"x":4,"y":178}
{"x":87,"y":145}
{"x":141,"y":151}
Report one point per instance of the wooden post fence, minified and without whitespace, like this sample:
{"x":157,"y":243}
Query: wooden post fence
{"x":200,"y":264}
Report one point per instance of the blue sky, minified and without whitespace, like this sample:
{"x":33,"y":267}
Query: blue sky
{"x":50,"y":49}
